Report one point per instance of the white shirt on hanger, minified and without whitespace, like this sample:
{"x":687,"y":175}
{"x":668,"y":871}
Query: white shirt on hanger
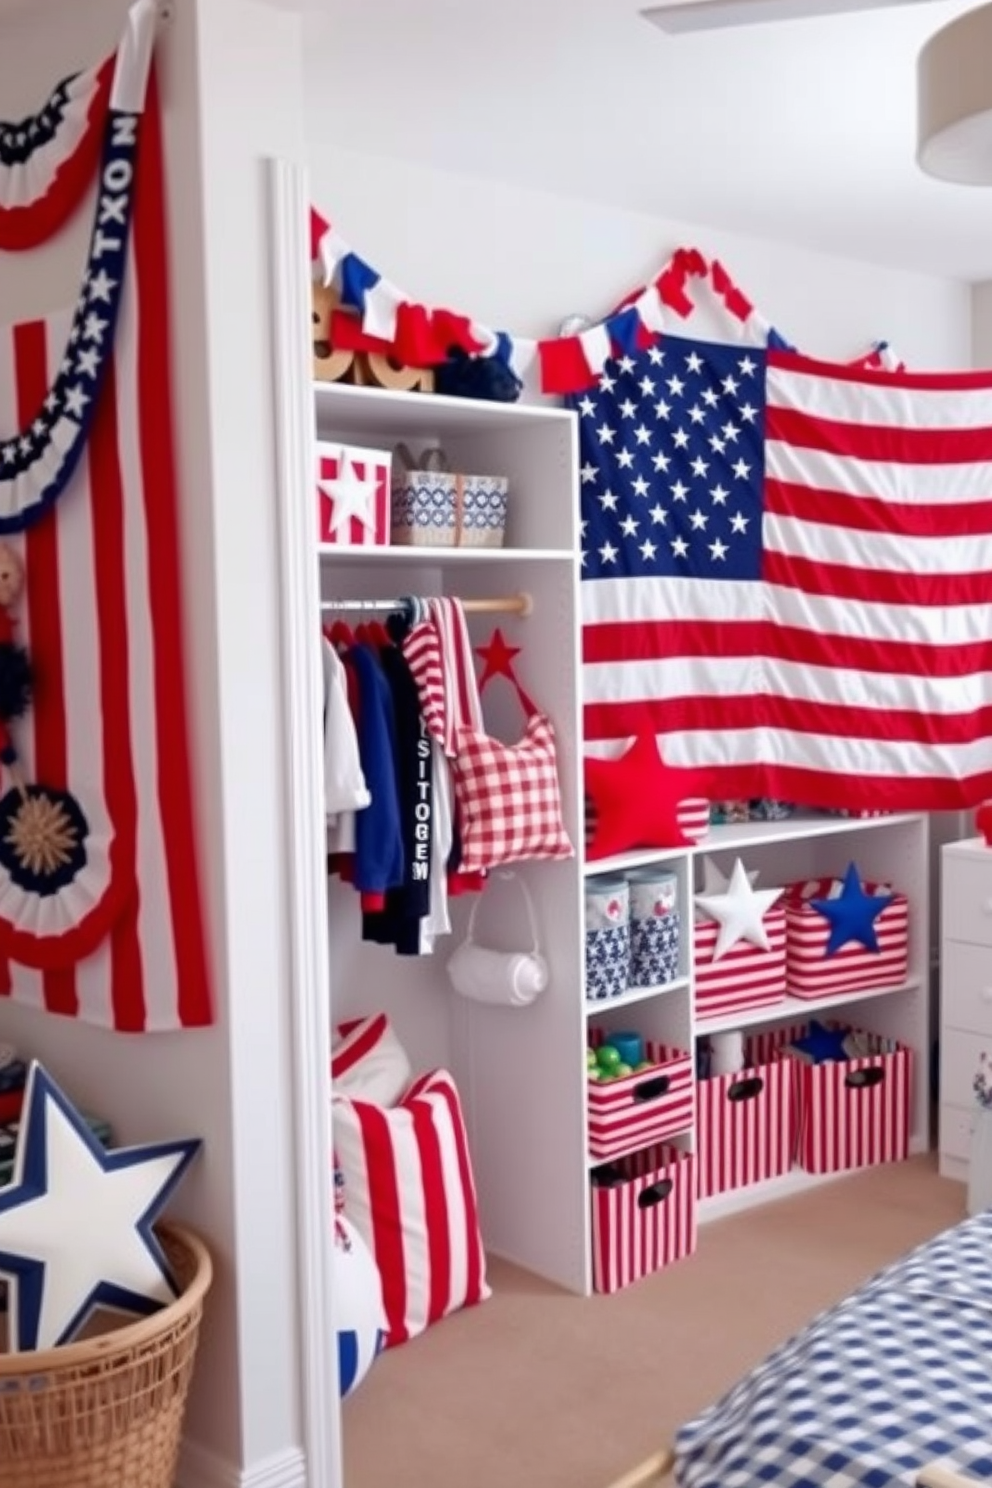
{"x":345,"y":790}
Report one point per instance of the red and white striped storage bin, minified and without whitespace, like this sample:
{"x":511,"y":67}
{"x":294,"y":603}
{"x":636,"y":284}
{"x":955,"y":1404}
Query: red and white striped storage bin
{"x":745,"y":976}
{"x":353,"y":495}
{"x":746,"y":1121}
{"x":854,"y":1113}
{"x":643,"y":1215}
{"x":811,"y":973}
{"x":644,"y":1107}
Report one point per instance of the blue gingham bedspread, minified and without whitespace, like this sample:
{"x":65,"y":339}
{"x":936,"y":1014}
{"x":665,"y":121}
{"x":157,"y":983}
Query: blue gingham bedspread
{"x":896,"y":1376}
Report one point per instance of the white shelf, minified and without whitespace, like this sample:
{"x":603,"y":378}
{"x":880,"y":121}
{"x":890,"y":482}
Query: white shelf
{"x":794,"y":1182}
{"x":798,"y":1008}
{"x":374,"y":411}
{"x":634,"y":994}
{"x":731,"y":838}
{"x":411,"y":556}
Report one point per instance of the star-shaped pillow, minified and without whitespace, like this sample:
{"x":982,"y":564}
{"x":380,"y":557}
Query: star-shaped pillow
{"x":820,"y":1044}
{"x":637,"y":800}
{"x":852,"y":914}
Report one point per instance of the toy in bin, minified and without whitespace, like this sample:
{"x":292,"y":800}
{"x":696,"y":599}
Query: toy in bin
{"x":621,"y":1055}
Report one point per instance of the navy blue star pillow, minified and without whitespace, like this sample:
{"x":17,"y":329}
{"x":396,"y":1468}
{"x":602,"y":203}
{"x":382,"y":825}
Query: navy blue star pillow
{"x":852,"y":914}
{"x":76,"y":1222}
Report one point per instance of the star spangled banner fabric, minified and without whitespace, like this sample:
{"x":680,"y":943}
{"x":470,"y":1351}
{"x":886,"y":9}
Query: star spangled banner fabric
{"x":88,"y":499}
{"x":787,"y":571}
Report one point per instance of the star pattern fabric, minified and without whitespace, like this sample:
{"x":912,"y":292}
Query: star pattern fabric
{"x":852,"y":913}
{"x":76,"y":1221}
{"x":739,"y":912}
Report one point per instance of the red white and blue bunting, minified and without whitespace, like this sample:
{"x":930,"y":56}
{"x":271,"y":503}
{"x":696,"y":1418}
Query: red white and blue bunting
{"x":37,"y":462}
{"x":377,"y":316}
{"x":48,"y":159}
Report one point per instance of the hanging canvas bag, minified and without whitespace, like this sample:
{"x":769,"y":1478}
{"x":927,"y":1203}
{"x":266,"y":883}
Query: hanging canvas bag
{"x":508,"y":798}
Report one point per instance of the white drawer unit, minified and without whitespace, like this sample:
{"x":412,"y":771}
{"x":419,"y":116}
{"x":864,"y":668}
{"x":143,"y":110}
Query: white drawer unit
{"x":965,"y":993}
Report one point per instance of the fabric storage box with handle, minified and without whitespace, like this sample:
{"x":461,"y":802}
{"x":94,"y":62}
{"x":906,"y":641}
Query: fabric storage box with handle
{"x":643,"y":1215}
{"x":745,"y":976}
{"x":657,"y":1100}
{"x":746,"y":1123}
{"x":813,"y":969}
{"x":433,"y":506}
{"x":854,"y":1112}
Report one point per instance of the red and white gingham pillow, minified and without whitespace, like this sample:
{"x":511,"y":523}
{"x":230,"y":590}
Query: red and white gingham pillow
{"x":410,"y":1193}
{"x":369,"y":1062}
{"x":509,"y":803}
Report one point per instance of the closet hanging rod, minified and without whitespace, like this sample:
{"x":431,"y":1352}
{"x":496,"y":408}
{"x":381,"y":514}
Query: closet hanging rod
{"x":510,"y":604}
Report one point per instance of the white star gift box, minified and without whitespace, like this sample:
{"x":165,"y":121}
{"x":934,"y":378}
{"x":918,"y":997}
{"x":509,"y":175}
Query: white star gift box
{"x":739,"y":909}
{"x":76,"y":1222}
{"x":353,"y":494}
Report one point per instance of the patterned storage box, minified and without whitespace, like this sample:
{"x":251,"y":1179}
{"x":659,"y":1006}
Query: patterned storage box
{"x":745,"y":976}
{"x":746,"y":1122}
{"x":435,"y":507}
{"x":854,"y":1113}
{"x":643,"y":1215}
{"x":811,"y":973}
{"x":654,"y":928}
{"x":353,"y":495}
{"x":607,"y":938}
{"x":655,"y":1102}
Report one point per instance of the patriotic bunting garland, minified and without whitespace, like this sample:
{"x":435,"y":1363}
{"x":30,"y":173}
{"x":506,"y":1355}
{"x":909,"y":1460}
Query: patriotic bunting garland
{"x":416,"y":335}
{"x":48,"y":160}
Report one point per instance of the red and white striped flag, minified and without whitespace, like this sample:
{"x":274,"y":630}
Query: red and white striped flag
{"x":786,"y":574}
{"x":108,"y":927}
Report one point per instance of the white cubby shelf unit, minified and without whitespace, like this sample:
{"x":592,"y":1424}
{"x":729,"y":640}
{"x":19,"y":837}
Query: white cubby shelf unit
{"x":887,"y":849}
{"x":521,"y":1073}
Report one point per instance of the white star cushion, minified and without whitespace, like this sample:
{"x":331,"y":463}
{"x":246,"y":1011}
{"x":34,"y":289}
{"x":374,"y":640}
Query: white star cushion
{"x":739,"y":912}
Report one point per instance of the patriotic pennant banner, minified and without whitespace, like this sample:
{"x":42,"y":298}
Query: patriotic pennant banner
{"x":379,"y":317}
{"x":785,"y":574}
{"x":48,"y":160}
{"x":100,"y":912}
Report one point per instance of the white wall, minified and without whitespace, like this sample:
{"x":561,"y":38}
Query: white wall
{"x":230,"y":82}
{"x":523,"y":260}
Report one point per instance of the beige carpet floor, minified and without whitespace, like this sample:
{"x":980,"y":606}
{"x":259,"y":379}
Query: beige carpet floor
{"x":540,"y":1389}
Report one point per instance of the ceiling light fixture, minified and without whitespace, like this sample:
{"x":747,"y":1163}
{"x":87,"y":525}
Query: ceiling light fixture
{"x":712,"y":15}
{"x":954,"y":101}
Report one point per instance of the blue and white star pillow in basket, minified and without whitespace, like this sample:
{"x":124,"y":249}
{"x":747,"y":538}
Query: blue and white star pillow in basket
{"x":76,"y":1222}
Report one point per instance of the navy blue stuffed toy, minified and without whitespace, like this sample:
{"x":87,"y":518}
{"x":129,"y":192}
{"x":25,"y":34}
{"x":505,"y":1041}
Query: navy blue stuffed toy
{"x":464,"y":376}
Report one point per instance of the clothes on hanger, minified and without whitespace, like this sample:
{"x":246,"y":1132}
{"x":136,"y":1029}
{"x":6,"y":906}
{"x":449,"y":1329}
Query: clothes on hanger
{"x":400,"y":700}
{"x":345,"y":790}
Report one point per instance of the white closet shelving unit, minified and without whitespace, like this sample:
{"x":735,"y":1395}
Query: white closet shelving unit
{"x":887,"y":849}
{"x":521,"y":1073}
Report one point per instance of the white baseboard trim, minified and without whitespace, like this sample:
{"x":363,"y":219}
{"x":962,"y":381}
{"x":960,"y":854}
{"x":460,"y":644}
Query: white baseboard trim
{"x":201,"y":1468}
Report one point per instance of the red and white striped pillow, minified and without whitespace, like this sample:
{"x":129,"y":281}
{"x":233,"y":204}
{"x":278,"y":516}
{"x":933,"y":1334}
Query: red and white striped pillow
{"x":410,"y":1193}
{"x":369,"y":1062}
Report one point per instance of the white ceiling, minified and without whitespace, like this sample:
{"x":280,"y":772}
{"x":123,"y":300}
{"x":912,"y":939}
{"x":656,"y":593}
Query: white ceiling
{"x":802,"y":131}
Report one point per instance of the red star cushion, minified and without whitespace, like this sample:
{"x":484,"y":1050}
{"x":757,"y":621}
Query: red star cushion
{"x":634,"y":800}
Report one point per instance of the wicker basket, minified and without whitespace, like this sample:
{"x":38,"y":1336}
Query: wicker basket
{"x":107,"y":1412}
{"x":434,"y":507}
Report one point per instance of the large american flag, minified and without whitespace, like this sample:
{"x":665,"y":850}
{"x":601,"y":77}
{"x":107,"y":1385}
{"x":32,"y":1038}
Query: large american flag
{"x":89,"y":501}
{"x":787,"y":574}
